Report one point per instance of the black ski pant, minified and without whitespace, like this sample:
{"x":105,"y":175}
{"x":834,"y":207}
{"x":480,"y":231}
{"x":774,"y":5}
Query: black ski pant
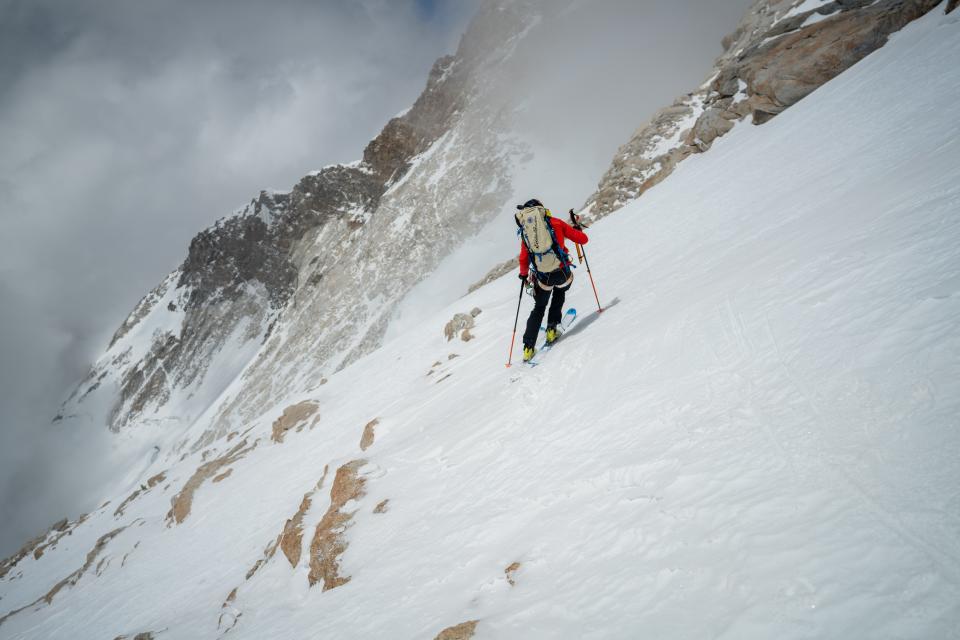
{"x":541,"y":296}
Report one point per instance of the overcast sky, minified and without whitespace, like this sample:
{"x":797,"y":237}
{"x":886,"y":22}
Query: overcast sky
{"x":128,"y":126}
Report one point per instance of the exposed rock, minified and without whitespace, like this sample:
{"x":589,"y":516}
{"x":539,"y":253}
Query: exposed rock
{"x":459,"y":325}
{"x":381,"y":506}
{"x":183,"y":501}
{"x":951,"y":5}
{"x":648,"y":157}
{"x":257,"y":246}
{"x":782,"y":72}
{"x":368,"y":434}
{"x":713,"y":123}
{"x":294,"y":416}
{"x":462,"y":631}
{"x":291,"y":538}
{"x":328,"y":539}
{"x":222,"y":476}
{"x":510,"y":570}
{"x":390,"y":153}
{"x":143,"y":635}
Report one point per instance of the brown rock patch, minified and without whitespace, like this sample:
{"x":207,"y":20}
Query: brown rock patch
{"x":509,"y":571}
{"x":293,"y":416}
{"x":328,"y":542}
{"x":462,"y":631}
{"x":222,"y":476}
{"x":183,"y":501}
{"x":382,"y":506}
{"x":368,"y":434}
{"x":291,"y":538}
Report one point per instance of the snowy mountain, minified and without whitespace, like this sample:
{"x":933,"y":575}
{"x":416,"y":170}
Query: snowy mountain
{"x":757,"y":438}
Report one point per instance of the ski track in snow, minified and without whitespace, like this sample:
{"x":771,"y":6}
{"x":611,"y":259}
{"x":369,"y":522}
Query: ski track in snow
{"x":759,"y":440}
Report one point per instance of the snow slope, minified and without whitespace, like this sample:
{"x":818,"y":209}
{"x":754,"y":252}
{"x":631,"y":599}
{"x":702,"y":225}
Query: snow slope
{"x":757,"y":439}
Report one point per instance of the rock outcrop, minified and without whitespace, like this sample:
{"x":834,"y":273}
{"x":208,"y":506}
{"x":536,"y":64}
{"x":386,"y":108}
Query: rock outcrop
{"x":462,"y":631}
{"x":328,"y":540}
{"x":295,"y":416}
{"x":460,"y":325}
{"x":369,"y":434}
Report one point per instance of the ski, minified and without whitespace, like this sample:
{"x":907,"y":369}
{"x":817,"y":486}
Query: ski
{"x":568,"y":319}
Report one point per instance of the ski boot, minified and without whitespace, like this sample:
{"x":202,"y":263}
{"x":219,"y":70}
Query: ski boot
{"x":528,"y":353}
{"x":552,"y":334}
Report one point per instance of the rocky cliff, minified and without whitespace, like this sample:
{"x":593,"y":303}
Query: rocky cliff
{"x":781,"y":52}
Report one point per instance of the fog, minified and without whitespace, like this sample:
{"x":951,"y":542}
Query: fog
{"x":126,"y":127}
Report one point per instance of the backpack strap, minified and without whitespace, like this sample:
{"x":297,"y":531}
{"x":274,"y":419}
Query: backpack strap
{"x":565,"y":262}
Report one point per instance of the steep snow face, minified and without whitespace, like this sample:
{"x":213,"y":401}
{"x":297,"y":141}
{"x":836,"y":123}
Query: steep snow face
{"x":757,"y":438}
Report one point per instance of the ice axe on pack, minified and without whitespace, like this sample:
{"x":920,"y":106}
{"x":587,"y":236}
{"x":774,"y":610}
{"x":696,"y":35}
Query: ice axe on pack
{"x":582,"y":257}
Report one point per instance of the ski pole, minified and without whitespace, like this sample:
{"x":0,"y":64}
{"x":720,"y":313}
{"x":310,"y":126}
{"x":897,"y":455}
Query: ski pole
{"x":513,"y":338}
{"x":599,"y":308}
{"x":582,"y":251}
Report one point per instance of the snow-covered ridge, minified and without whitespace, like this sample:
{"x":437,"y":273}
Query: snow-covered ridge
{"x":760,"y":428}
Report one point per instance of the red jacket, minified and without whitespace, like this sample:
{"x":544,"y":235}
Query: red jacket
{"x":560,"y":229}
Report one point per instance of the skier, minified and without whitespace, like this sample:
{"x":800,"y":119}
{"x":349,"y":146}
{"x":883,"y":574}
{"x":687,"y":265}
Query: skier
{"x":542,"y":247}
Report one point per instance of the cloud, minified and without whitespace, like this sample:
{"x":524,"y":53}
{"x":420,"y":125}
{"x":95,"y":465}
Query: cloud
{"x":129,"y":126}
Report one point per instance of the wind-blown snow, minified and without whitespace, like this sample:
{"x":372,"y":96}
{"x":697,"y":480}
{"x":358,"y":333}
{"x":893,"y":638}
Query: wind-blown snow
{"x":757,"y":439}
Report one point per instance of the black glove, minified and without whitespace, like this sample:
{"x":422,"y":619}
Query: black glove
{"x":523,"y":276}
